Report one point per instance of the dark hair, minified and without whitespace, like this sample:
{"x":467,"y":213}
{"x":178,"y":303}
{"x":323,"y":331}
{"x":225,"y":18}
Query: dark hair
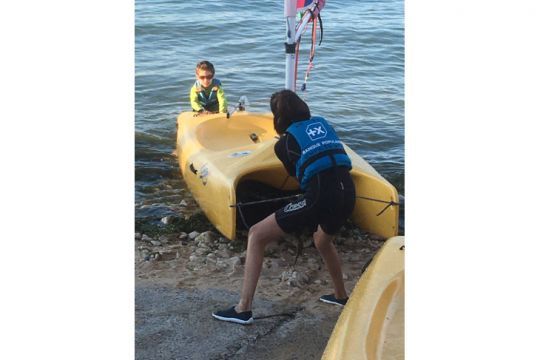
{"x":205,"y":65}
{"x":287,"y":108}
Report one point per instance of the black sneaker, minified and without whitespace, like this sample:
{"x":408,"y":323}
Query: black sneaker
{"x":331,"y":299}
{"x":231,"y":315}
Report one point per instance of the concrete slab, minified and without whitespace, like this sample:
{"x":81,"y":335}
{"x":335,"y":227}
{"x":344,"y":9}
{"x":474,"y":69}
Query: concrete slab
{"x":177,"y":324}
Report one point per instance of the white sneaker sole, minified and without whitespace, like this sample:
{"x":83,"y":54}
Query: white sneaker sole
{"x":331,"y":302}
{"x":238,"y":321}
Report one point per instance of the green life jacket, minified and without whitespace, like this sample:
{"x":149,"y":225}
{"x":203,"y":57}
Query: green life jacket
{"x":210,"y":102}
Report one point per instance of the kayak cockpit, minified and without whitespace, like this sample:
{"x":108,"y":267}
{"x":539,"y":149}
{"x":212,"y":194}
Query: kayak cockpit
{"x":239,"y":130}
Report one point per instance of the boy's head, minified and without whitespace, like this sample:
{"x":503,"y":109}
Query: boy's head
{"x":205,"y":72}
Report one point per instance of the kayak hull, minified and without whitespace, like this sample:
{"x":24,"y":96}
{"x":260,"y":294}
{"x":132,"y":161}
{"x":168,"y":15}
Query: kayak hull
{"x":371,"y":325}
{"x":216,"y":154}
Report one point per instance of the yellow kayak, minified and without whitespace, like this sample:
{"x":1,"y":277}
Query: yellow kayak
{"x":217,"y":155}
{"x":371,"y":326}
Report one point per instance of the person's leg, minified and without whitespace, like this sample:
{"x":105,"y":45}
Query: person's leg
{"x":323,"y":243}
{"x":260,"y":235}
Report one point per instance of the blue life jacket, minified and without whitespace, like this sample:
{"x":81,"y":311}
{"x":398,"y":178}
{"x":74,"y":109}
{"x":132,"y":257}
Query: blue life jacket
{"x":210,"y":102}
{"x":320,"y":147}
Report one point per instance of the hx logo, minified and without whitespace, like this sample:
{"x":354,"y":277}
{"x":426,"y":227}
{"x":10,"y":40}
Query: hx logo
{"x":316,"y":131}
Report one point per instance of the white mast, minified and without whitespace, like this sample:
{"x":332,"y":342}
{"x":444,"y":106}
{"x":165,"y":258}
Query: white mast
{"x":290,"y":46}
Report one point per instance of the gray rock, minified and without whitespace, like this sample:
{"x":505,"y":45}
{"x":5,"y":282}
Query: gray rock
{"x":294,"y":278}
{"x":202,"y":251}
{"x":155,"y":242}
{"x":192,"y":235}
{"x":167,"y":219}
{"x":220,"y":264}
{"x":207,"y":238}
{"x":138,"y":236}
{"x":313,"y":264}
{"x":271,"y":249}
{"x":211,"y":259}
{"x":183,"y":203}
{"x":164,"y":239}
{"x":146,"y":238}
{"x":224,"y":253}
{"x":235,"y":261}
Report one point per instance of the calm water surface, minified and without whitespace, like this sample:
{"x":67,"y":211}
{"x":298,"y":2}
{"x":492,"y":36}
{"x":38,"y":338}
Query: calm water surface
{"x":357,"y":82}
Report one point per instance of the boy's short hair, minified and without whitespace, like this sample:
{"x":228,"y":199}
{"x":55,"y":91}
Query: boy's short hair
{"x":205,"y":65}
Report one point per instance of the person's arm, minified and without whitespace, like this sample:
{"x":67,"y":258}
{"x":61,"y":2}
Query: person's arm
{"x":288,"y":152}
{"x":222,"y":100}
{"x":194,"y":99}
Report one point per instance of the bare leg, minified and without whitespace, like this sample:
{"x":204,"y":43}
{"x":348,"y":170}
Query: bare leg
{"x":260,"y":235}
{"x":326,"y":248}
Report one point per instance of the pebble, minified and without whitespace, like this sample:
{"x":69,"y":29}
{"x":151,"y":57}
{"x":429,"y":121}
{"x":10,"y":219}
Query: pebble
{"x":313,"y":264}
{"x":183,"y":203}
{"x":155,"y":242}
{"x":235,"y":261}
{"x":207,"y":239}
{"x":146,"y":238}
{"x":220,"y":264}
{"x":164,"y":239}
{"x":192,"y":235}
{"x":294,"y":278}
{"x":138,"y":236}
{"x":202,"y":251}
{"x":182,"y":236}
{"x":167,"y":219}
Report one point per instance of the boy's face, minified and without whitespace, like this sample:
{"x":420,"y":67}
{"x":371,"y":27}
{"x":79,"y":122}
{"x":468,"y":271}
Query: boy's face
{"x":205,"y":77}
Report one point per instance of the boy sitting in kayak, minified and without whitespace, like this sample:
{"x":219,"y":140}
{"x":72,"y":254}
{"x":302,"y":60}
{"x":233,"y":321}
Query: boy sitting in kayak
{"x":207,"y":95}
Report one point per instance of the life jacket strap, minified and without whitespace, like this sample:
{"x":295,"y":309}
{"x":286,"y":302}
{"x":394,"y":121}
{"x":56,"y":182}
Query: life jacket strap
{"x":311,"y":160}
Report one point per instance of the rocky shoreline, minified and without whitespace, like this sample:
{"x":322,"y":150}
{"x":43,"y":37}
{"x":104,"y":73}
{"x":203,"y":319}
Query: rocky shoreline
{"x":182,"y":256}
{"x":207,"y":252}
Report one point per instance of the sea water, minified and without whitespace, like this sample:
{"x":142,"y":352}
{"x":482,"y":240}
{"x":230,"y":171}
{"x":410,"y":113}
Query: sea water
{"x":357,"y":82}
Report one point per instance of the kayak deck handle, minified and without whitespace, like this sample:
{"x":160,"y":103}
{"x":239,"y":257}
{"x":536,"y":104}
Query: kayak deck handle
{"x":254,"y":137}
{"x":192,"y":168}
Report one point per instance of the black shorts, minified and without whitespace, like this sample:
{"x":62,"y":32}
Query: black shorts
{"x":328,"y":202}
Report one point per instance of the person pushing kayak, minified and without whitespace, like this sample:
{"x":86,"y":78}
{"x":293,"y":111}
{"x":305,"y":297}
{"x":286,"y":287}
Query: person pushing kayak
{"x":207,"y":95}
{"x":311,"y":151}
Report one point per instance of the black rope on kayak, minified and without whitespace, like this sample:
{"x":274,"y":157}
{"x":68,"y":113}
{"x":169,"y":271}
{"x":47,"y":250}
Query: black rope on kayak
{"x":242,"y":217}
{"x":265,"y":201}
{"x":239,"y":206}
{"x":390,"y":203}
{"x":284,"y":182}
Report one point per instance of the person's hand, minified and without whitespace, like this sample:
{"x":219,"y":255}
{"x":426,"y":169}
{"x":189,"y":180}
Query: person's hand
{"x":201,"y":112}
{"x":204,"y":112}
